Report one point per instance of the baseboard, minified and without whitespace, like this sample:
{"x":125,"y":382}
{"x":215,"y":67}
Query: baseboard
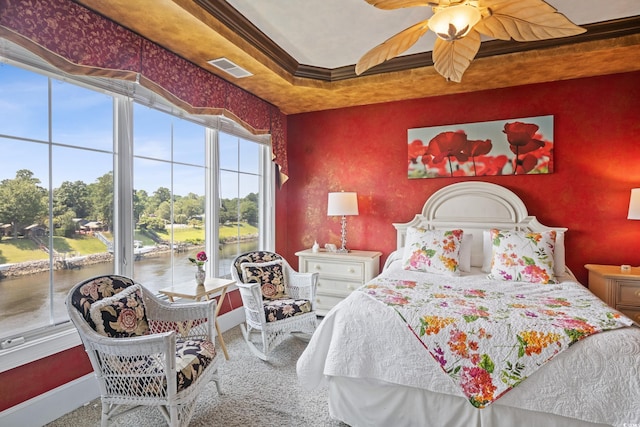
{"x":53,"y":404}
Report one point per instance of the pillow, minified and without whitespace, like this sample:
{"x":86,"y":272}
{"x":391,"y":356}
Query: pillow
{"x":559,"y":267}
{"x":465,"y":252}
{"x":122,"y":315}
{"x":432,"y":251}
{"x":523,"y":256}
{"x":269,"y":275}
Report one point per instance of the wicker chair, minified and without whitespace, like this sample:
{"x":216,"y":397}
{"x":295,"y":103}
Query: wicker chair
{"x":277,"y":300}
{"x":144,"y":351}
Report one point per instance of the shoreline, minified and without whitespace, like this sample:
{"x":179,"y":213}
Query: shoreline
{"x":27,"y":268}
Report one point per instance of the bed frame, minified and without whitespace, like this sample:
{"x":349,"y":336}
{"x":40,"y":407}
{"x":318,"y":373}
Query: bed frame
{"x":473,"y":206}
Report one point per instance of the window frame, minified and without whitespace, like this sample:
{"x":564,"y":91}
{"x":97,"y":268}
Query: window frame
{"x":45,"y":341}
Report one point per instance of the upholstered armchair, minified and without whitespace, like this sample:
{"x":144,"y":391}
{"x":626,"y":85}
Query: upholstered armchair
{"x":277,"y":300}
{"x":145,"y":351}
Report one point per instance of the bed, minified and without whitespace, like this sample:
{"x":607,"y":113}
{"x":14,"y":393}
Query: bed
{"x":383,"y":363}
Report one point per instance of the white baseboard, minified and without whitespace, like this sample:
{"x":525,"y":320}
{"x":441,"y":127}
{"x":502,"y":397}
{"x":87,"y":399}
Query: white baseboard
{"x":53,"y":404}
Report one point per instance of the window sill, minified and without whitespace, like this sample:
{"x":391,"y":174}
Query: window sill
{"x":36,"y":348}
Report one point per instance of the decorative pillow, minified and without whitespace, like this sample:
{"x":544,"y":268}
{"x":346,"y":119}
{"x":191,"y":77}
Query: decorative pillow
{"x":432,"y":251}
{"x":523,"y":256}
{"x":558,"y":253}
{"x":269,"y":275}
{"x":122,"y":315}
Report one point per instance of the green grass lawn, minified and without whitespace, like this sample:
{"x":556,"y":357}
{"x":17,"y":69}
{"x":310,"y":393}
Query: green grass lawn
{"x":19,"y":250}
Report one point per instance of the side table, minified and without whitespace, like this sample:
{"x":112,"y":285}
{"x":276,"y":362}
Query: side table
{"x":621,"y":290}
{"x":195,"y":292}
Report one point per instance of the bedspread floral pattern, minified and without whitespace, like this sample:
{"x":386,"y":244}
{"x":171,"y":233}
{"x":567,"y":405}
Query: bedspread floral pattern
{"x":488,"y":339}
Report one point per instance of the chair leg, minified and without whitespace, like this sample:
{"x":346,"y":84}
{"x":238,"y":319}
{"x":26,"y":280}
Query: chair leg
{"x":247,"y":338}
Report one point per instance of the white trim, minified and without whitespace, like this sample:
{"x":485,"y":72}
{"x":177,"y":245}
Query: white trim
{"x":39,"y":348}
{"x":53,"y":404}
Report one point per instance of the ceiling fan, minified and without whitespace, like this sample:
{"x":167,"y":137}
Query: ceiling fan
{"x":458,"y":25}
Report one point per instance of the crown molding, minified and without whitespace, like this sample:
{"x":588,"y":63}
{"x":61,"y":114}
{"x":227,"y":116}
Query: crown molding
{"x":236,"y":22}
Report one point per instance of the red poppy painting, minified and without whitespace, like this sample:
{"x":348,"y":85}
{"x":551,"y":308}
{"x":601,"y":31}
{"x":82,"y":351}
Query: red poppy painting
{"x":501,"y":147}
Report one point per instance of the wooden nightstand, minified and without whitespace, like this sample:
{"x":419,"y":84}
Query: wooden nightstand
{"x":620,"y":290}
{"x":339,"y":273}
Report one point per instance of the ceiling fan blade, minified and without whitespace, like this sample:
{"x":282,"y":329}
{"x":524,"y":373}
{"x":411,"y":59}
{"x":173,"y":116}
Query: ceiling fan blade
{"x":392,"y":47}
{"x":398,"y":4}
{"x":525,"y":20}
{"x":451,"y":59}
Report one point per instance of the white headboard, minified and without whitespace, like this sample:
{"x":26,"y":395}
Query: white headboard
{"x":473,"y":206}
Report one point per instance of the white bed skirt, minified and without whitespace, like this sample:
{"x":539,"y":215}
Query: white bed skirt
{"x":361,"y":402}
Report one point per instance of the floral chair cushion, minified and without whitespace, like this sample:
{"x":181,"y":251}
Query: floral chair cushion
{"x":121,"y":315}
{"x":432,"y":251}
{"x":284,"y":308}
{"x":269,"y":275}
{"x":96,"y":289}
{"x":192,"y":358}
{"x":523,"y":256}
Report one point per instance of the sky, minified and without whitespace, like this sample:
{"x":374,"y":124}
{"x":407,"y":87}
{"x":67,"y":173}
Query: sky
{"x":84,"y":118}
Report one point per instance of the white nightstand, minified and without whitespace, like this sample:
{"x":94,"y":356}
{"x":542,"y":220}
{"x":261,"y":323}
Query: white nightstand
{"x":339,"y":273}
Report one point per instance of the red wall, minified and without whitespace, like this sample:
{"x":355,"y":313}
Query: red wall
{"x":364,"y":149}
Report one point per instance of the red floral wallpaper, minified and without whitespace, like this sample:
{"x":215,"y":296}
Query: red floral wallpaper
{"x":79,"y":41}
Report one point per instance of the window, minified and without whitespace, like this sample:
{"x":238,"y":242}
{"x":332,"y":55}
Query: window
{"x":71,"y":207}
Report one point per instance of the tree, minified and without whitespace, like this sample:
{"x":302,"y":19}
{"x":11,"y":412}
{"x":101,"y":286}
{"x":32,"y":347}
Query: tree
{"x":64,"y":224}
{"x":140,"y":202}
{"x":249,"y":212}
{"x":22,"y":200}
{"x":164,"y":211}
{"x":72,"y":196}
{"x":162,"y":194}
{"x":102,"y":197}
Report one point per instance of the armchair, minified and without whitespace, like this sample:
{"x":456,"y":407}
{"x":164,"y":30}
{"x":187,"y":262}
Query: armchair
{"x":277,"y":299}
{"x":144,"y":351}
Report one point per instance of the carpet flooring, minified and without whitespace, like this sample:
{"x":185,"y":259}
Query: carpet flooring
{"x":255,"y":393}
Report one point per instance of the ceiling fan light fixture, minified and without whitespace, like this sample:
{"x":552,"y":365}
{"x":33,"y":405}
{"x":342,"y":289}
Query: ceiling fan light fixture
{"x":454,"y":22}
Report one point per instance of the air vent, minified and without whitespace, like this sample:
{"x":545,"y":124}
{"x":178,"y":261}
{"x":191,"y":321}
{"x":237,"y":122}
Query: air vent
{"x":229,"y":67}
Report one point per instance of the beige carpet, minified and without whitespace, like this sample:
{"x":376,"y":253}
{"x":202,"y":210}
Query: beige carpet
{"x":255,"y":393}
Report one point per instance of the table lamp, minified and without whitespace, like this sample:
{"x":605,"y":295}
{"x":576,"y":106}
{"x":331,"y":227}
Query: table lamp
{"x":343,"y":204}
{"x":634,"y":204}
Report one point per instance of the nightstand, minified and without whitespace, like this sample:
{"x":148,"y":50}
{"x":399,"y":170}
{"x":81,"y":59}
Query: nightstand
{"x":339,"y":273}
{"x":620,"y":290}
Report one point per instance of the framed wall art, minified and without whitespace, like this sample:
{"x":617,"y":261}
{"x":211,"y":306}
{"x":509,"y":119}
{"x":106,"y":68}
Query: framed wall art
{"x":501,"y":147}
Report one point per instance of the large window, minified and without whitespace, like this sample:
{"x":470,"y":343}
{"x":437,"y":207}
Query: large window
{"x":94,"y":180}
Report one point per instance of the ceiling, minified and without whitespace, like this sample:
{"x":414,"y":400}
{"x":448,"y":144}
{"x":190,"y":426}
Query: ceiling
{"x":302,"y":53}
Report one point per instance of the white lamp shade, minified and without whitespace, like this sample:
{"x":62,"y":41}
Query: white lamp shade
{"x":454,"y":22}
{"x":634,"y":204}
{"x":343,"y":203}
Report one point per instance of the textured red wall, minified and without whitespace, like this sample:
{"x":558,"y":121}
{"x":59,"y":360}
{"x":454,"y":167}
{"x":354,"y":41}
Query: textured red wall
{"x":364,"y":149}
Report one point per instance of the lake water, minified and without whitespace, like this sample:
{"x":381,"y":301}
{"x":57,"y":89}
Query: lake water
{"x":25,"y":302}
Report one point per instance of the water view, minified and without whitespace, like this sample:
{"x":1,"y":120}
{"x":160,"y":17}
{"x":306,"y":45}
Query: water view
{"x":25,"y":303}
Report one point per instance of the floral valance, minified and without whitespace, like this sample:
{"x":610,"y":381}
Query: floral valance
{"x":79,"y":41}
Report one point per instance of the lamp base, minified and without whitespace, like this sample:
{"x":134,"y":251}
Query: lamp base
{"x":342,"y":250}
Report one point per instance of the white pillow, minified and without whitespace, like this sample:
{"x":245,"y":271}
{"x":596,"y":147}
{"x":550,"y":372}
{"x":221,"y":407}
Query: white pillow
{"x":465,"y":252}
{"x":559,"y":266}
{"x":432,"y":251}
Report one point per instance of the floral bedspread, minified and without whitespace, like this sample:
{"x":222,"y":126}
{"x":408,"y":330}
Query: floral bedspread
{"x":487,"y":337}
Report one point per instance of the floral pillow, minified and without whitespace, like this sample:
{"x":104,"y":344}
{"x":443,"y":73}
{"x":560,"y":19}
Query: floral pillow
{"x":432,"y":251}
{"x":523,"y":256}
{"x":269,"y":275}
{"x":122,"y":315}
